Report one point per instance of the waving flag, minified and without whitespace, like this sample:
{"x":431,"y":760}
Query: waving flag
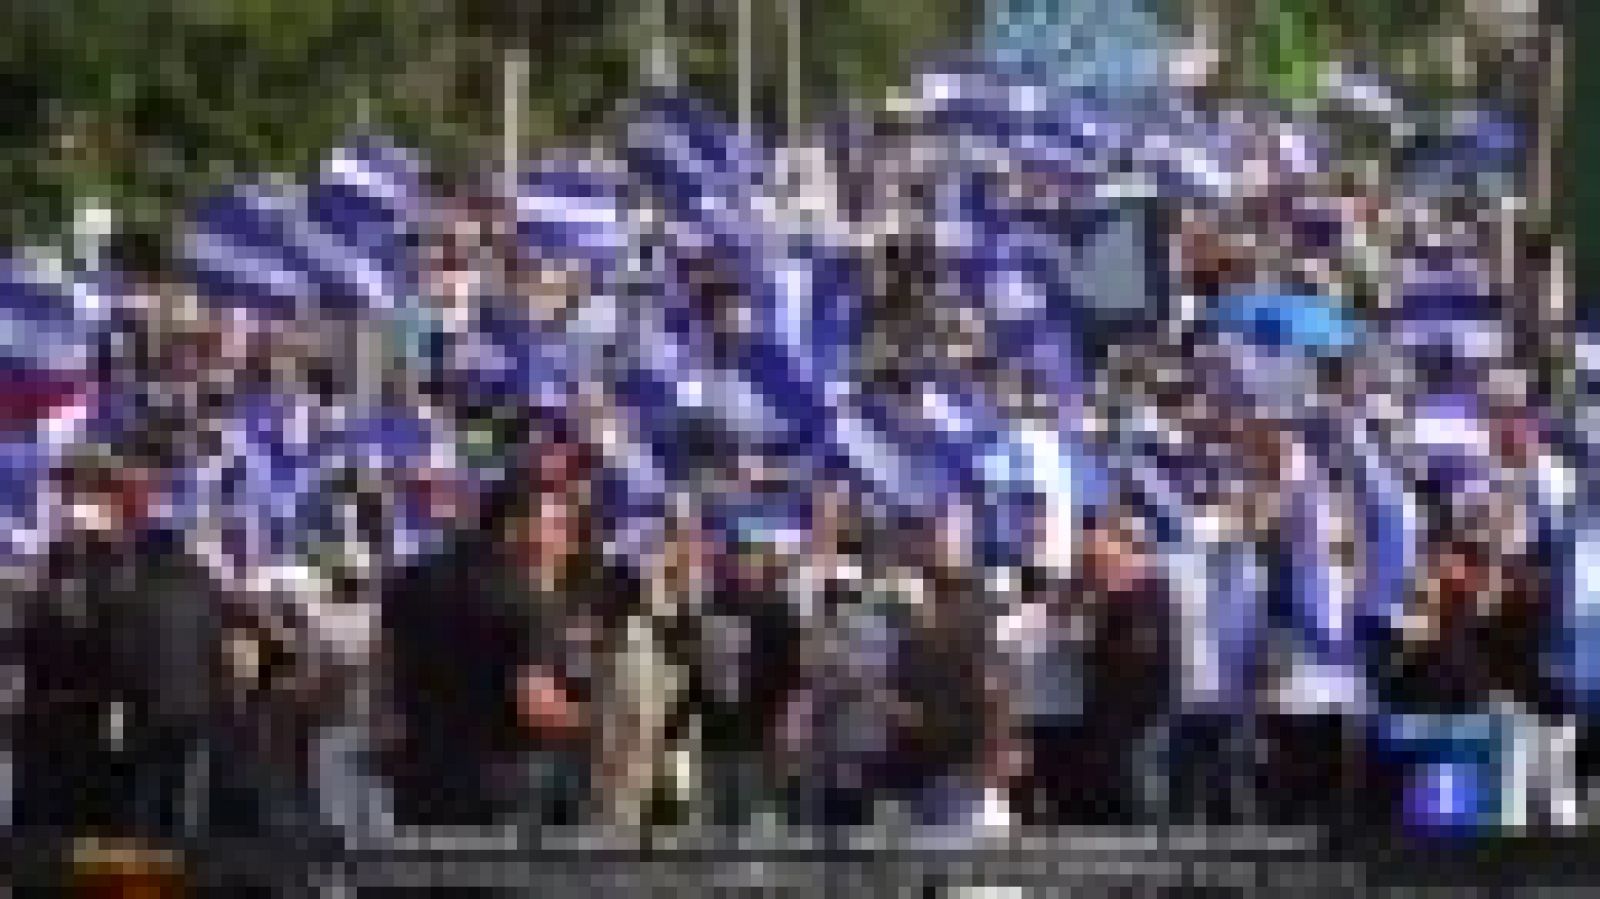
{"x":416,"y":454}
{"x":580,"y":210}
{"x":575,"y":208}
{"x":1003,"y":268}
{"x":277,"y":451}
{"x":1322,"y":598}
{"x":51,"y":326}
{"x":708,"y":178}
{"x":583,"y":212}
{"x":1389,"y":528}
{"x":1064,"y":155}
{"x":342,"y":245}
{"x":49,"y":330}
{"x":368,"y":199}
{"x":243,"y":249}
{"x":1215,"y":579}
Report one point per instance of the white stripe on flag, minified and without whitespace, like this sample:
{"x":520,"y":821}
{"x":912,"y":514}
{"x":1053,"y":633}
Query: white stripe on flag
{"x":569,"y":210}
{"x":331,"y":254}
{"x":222,"y":256}
{"x":871,"y":455}
{"x":348,"y":170}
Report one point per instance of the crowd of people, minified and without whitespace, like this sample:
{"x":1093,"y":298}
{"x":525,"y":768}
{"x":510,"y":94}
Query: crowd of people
{"x":1322,"y":596}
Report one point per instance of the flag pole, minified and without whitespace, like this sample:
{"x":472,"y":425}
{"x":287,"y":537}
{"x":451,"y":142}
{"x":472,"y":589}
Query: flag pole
{"x":660,"y":72}
{"x":513,"y":91}
{"x":792,"y":100}
{"x":745,"y":51}
{"x":367,"y":332}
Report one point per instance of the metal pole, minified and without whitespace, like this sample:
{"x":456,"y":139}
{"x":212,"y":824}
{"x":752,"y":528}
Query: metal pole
{"x":515,"y":73}
{"x":745,"y":62}
{"x":792,"y":101}
{"x":658,"y":68}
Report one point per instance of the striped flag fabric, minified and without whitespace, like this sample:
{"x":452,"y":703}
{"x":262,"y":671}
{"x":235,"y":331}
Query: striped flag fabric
{"x":1322,"y":597}
{"x":708,"y":178}
{"x":50,"y":325}
{"x":340,"y":245}
{"x":575,"y":207}
{"x":415,"y":453}
{"x":276,"y":453}
{"x":579,"y":209}
{"x":1390,"y":530}
{"x":369,"y":200}
{"x":243,"y":249}
{"x":1214,"y":577}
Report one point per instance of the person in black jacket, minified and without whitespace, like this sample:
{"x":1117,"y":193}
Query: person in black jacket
{"x":492,"y":647}
{"x":949,"y":713}
{"x":1130,"y":668}
{"x":120,"y":650}
{"x":1437,"y":662}
{"x":748,"y":641}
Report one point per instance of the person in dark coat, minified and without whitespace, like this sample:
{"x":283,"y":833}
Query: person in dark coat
{"x":949,"y":712}
{"x":1130,"y":672}
{"x":1438,"y":663}
{"x":748,"y":644}
{"x":491,"y":647}
{"x":120,"y":649}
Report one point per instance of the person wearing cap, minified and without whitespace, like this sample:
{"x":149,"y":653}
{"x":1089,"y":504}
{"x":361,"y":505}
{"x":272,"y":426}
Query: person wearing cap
{"x":494,"y":647}
{"x":121,"y":647}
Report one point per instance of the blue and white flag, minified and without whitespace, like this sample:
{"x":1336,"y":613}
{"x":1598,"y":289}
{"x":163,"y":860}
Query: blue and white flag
{"x":707,"y":178}
{"x":277,"y":451}
{"x":366,"y":206}
{"x":702,"y":170}
{"x":415,"y":456}
{"x":1215,"y":579}
{"x":1322,"y":600}
{"x":577,"y":209}
{"x":344,"y":244}
{"x":244,"y":249}
{"x":1390,"y":531}
{"x":50,"y":327}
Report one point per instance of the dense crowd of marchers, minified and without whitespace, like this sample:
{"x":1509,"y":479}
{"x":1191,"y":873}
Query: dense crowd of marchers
{"x":438,"y":508}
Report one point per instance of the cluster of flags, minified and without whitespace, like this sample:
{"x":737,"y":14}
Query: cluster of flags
{"x":1030,"y":176}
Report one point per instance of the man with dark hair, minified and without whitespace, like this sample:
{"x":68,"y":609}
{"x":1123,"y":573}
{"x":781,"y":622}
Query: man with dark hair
{"x":493,"y":647}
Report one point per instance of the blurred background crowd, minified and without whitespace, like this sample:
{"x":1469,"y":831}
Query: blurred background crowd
{"x":1069,"y":440}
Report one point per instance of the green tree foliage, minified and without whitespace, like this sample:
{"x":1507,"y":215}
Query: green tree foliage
{"x":148,"y":103}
